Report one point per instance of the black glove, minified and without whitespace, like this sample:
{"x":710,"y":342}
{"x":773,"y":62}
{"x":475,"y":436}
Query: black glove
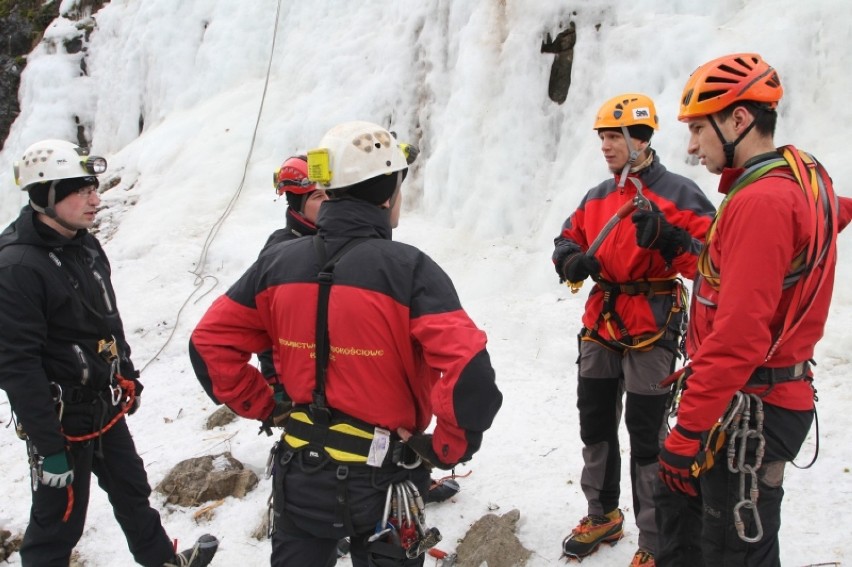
{"x":422,"y":445}
{"x":579,"y":266}
{"x":137,"y":401}
{"x":277,"y":418}
{"x":654,"y":232}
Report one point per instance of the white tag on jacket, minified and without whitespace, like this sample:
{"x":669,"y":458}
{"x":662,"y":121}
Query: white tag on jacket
{"x":379,"y":447}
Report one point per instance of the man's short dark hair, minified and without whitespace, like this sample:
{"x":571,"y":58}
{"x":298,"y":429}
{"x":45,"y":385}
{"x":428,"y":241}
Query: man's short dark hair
{"x":764,"y":117}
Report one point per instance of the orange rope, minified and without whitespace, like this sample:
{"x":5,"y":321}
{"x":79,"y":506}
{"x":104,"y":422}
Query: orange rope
{"x":70,"y":505}
{"x":128,"y":389}
{"x":452,"y":476}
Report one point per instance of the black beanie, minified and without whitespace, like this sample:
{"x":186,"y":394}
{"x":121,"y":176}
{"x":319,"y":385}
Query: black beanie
{"x":640,"y":132}
{"x":375,"y":190}
{"x":297,"y":201}
{"x":63,"y":188}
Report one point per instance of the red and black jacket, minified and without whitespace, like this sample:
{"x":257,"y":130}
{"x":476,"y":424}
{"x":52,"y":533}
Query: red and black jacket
{"x":622,"y":260}
{"x":402,"y":348}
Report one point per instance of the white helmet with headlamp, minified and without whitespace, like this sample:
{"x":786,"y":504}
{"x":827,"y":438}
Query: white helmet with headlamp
{"x":353,"y":152}
{"x":51,"y":160}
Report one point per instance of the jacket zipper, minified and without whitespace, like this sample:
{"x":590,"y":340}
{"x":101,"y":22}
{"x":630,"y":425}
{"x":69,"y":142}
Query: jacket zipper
{"x":104,"y":292}
{"x":84,"y":366}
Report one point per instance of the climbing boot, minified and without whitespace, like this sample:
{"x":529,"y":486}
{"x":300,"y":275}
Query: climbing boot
{"x":441,"y":490}
{"x":199,"y":555}
{"x":591,"y":532}
{"x":643,"y":559}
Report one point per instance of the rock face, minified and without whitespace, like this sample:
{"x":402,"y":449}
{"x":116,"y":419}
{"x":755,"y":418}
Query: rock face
{"x":560,"y":71}
{"x":22,"y":23}
{"x":491,"y":540}
{"x":208,"y":478}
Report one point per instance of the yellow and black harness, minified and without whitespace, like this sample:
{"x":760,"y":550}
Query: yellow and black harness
{"x":325,"y":437}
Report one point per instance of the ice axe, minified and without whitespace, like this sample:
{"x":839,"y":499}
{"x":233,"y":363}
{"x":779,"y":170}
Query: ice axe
{"x":638,"y":202}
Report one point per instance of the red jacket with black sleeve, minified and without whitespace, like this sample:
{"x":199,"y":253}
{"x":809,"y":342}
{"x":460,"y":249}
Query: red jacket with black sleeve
{"x":762,"y":229}
{"x":622,"y":260}
{"x":402,"y":348}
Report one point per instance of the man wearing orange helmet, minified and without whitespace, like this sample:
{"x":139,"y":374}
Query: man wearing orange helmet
{"x":634,"y":314}
{"x":760,"y":303}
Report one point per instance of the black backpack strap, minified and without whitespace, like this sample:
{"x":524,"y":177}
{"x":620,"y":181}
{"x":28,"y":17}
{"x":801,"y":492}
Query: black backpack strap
{"x":325,"y":278}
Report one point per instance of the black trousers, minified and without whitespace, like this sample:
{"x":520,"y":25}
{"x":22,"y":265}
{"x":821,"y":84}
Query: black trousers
{"x":679,"y":524}
{"x":719,"y":493}
{"x":308,"y":512}
{"x":784,"y":431}
{"x":49,"y":540}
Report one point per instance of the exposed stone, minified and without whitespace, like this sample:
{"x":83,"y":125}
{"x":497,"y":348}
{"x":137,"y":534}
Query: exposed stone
{"x":204,"y":479}
{"x":491,"y":540}
{"x":221,"y":417}
{"x":560,"y":71}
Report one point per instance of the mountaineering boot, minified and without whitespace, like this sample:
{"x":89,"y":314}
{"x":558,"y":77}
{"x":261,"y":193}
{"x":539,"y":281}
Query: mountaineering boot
{"x":199,"y":555}
{"x":591,"y":532}
{"x":643,"y":559}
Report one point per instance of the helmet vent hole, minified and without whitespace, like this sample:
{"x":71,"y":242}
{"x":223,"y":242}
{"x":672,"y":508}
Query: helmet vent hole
{"x":738,"y":72}
{"x":709,"y":94}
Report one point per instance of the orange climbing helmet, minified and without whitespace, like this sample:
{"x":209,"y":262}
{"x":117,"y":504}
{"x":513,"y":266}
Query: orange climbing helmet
{"x":738,"y":77}
{"x":630,"y":109}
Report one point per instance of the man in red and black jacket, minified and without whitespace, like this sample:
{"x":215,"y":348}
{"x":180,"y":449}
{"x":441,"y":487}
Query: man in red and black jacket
{"x":760,"y":306}
{"x":401,"y":350}
{"x":303,"y":203}
{"x":633,"y":317}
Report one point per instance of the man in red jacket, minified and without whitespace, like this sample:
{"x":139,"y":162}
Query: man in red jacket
{"x":759,"y":307}
{"x":372,"y":343}
{"x":633,"y":318}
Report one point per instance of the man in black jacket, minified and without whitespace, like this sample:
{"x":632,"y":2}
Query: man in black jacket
{"x":66,"y":368}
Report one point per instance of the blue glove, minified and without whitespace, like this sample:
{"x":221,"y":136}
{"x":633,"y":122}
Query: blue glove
{"x":56,"y":471}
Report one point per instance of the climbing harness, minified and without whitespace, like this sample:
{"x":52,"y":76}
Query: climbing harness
{"x":610,"y":319}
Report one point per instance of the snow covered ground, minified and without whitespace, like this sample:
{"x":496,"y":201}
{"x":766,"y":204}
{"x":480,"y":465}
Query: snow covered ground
{"x":501,"y":168}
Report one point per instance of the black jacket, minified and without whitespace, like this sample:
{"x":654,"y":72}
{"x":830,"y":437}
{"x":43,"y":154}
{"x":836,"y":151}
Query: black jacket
{"x":56,"y":304}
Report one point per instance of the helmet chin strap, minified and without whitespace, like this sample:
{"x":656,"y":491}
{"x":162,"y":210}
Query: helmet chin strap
{"x":634,"y":154}
{"x":730,"y":147}
{"x":49,"y":210}
{"x":395,"y":195}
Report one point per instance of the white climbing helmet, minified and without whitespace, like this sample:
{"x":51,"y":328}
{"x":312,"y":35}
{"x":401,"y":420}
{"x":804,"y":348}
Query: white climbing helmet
{"x":51,"y":160}
{"x":353,"y":152}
